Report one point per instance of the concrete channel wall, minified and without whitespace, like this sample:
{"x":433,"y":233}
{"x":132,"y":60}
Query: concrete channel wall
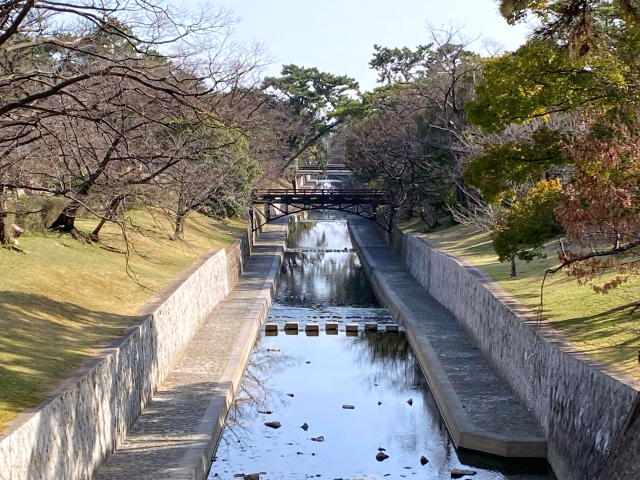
{"x":68,"y":436}
{"x":589,"y":414}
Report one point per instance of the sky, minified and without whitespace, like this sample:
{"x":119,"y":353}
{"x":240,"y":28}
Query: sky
{"x":337,"y":36}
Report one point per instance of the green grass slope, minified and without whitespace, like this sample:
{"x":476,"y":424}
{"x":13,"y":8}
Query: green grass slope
{"x":598,"y":325}
{"x":62,"y":299}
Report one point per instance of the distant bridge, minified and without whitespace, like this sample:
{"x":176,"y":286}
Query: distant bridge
{"x":278,"y":203}
{"x":331,"y":169}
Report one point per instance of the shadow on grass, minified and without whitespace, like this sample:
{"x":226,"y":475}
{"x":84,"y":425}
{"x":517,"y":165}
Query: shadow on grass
{"x":43,"y":342}
{"x":614,"y":335}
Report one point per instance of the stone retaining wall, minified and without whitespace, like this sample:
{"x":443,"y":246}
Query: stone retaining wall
{"x":72,"y":433}
{"x":589,"y":414}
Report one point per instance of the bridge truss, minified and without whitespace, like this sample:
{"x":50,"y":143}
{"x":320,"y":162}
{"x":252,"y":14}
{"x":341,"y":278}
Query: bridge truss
{"x":370,"y":204}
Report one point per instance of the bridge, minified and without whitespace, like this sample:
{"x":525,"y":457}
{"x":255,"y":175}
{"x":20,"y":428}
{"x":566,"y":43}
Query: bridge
{"x":331,"y":169}
{"x":370,"y":204}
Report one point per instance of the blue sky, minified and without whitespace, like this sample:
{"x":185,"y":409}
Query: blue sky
{"x":338,"y":35}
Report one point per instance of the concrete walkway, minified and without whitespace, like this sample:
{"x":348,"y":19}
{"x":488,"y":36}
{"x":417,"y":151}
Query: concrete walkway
{"x":176,"y":435}
{"x":479,"y":409}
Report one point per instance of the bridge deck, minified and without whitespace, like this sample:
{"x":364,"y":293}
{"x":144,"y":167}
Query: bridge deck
{"x":318,"y":195}
{"x":317,"y":171}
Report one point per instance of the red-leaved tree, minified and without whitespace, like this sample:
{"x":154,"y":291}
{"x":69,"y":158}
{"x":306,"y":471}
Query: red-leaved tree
{"x":601,"y":213}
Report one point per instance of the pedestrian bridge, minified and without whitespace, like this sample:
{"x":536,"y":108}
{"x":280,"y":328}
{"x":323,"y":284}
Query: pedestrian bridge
{"x":374,"y":205}
{"x":330,"y":169}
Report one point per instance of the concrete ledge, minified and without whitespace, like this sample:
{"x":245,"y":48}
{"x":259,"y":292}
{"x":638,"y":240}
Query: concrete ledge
{"x":462,"y":429}
{"x":463,"y":432}
{"x":197,"y":461}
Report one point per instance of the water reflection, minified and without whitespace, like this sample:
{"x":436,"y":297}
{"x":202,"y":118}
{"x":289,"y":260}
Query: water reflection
{"x":326,"y":273}
{"x":323,"y":279}
{"x":377,"y":374}
{"x":317,"y":233}
{"x":393,"y":357}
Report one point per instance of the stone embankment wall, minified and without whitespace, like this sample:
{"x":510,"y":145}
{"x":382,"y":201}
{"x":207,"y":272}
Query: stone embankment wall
{"x":73,"y":432}
{"x":589,"y":414}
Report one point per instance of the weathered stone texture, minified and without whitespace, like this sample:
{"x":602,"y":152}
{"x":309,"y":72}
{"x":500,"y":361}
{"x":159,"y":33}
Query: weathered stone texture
{"x":582,"y":410}
{"x":71,"y":434}
{"x":624,"y":463}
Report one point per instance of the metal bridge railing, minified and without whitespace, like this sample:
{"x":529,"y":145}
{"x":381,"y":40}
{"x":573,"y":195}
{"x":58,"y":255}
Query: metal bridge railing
{"x":319,"y":191}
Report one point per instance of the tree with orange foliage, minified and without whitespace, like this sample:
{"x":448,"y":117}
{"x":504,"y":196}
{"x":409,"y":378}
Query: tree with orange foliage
{"x":601,"y":211}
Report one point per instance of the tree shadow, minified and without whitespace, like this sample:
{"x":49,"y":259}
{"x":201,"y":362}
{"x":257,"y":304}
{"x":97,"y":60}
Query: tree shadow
{"x":612,"y":336}
{"x":43,"y":343}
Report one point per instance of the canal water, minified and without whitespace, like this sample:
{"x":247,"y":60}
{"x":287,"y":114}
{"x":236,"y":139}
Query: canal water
{"x":340,"y":402}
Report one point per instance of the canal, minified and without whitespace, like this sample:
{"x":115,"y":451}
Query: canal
{"x":337,"y":404}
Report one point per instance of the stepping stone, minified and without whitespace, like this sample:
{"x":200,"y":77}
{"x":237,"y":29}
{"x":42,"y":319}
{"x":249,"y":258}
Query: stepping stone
{"x":392,"y":328}
{"x":331,"y":327}
{"x":291,"y":327}
{"x":371,"y":327}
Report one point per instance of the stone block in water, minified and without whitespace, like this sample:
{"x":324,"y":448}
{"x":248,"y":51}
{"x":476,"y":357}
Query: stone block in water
{"x":291,"y":327}
{"x":331,"y":327}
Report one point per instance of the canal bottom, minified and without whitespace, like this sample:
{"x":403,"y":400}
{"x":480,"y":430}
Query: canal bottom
{"x":313,"y":381}
{"x":303,"y":380}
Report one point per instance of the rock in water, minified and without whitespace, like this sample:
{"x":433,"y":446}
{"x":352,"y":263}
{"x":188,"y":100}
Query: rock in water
{"x":410,"y":401}
{"x":266,"y":412}
{"x":273,"y":424}
{"x":304,"y":426}
{"x":318,"y":439}
{"x":458,"y":473}
{"x":380,"y":449}
{"x":380,"y":456}
{"x":290,"y":394}
{"x":348,"y":407}
{"x":423,"y":460}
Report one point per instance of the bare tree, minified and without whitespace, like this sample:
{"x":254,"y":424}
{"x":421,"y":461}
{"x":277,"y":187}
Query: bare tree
{"x":214,"y":178}
{"x":88,"y":87}
{"x":411,"y":141}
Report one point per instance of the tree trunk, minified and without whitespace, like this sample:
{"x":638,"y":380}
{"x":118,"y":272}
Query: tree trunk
{"x":111,"y":214}
{"x":5,"y":234}
{"x":67,"y":218}
{"x":429,"y":217}
{"x":392,"y":217}
{"x":179,"y":226}
{"x":513,"y":267}
{"x":95,"y":235}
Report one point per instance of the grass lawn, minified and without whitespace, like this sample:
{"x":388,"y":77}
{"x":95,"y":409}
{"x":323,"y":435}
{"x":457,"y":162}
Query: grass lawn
{"x":599,"y":325}
{"x":63,"y":298}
